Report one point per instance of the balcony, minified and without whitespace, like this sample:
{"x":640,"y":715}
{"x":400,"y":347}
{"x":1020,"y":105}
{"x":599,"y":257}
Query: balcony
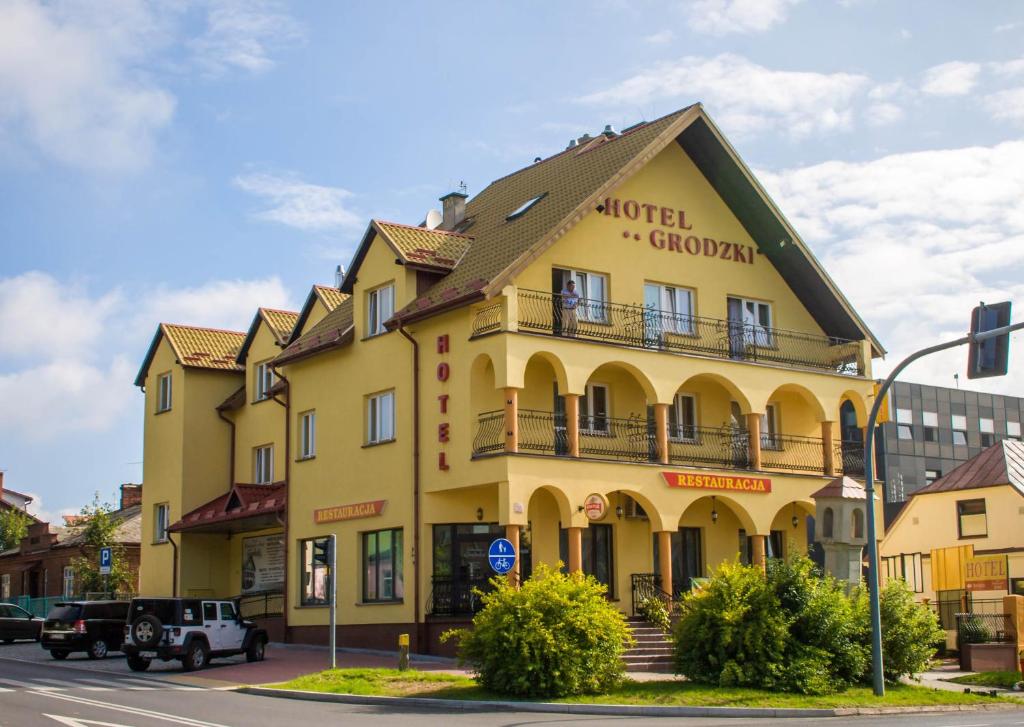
{"x":634,"y":439}
{"x":650,"y":328}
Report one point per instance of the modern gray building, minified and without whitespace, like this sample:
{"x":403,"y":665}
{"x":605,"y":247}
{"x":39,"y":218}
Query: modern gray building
{"x":932,"y":429}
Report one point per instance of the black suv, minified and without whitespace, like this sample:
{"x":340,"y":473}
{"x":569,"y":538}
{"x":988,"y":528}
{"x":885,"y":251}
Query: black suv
{"x":95,"y":627}
{"x":193,"y":630}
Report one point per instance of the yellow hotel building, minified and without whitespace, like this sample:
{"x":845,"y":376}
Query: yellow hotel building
{"x":676,"y":406}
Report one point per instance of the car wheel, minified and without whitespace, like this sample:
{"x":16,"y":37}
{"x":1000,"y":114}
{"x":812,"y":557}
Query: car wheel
{"x":137,"y":663}
{"x":98,"y":649}
{"x":58,"y":655}
{"x":196,"y":656}
{"x":257,"y":650}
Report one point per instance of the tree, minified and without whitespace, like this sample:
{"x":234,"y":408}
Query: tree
{"x":99,"y":530}
{"x":13,"y":527}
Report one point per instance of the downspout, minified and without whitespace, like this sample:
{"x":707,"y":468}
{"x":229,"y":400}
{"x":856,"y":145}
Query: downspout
{"x":287,"y":404}
{"x":415,"y":482}
{"x":231,"y":467}
{"x":174,"y":569}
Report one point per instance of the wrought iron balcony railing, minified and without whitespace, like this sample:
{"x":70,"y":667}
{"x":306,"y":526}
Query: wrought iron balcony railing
{"x":713,"y":446}
{"x":790,"y":452}
{"x":647,"y":327}
{"x":849,"y":459}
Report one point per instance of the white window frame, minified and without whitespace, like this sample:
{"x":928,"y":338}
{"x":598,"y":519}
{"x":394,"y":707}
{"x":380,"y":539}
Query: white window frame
{"x":930,"y":419}
{"x":380,"y":306}
{"x":263,"y":380}
{"x":68,"y":582}
{"x":928,"y":480}
{"x":756,"y":333}
{"x":679,"y":432}
{"x":591,"y":308}
{"x":5,"y":587}
{"x":960,"y":419}
{"x":1012,"y":429}
{"x":164,"y":392}
{"x":380,"y":417}
{"x":770,"y":438}
{"x":987,"y":425}
{"x":675,"y":309}
{"x":589,"y":415}
{"x":263,"y":464}
{"x":161,"y":521}
{"x":307,"y":434}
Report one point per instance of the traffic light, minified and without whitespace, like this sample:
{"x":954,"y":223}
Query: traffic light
{"x":989,"y":357}
{"x":322,"y":551}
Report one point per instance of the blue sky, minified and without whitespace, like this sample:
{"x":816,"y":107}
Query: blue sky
{"x":189,"y":160}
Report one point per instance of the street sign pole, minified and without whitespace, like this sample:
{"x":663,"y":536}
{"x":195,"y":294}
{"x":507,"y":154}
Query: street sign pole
{"x":334,"y":598}
{"x":869,"y":487}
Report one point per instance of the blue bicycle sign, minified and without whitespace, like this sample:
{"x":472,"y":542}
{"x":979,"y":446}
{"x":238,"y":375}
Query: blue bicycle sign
{"x":502,"y":556}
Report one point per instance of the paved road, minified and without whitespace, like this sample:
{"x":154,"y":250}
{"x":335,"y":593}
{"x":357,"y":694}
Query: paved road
{"x":34,"y":694}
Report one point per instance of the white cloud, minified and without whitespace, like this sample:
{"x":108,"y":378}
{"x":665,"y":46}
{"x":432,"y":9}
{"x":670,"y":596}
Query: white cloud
{"x":1006,"y":105}
{"x":1006,"y":27}
{"x":955,"y":78}
{"x":1008,"y":68}
{"x":745,"y":97}
{"x":916,"y":240}
{"x":309,"y":207}
{"x":68,"y":84}
{"x":882,"y":114}
{"x":241,"y":34}
{"x":660,"y":38}
{"x":721,"y":17}
{"x":68,"y":358}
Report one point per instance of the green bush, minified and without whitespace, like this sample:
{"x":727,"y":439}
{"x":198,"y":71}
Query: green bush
{"x":654,"y":611}
{"x":555,"y":636}
{"x":909,"y":632}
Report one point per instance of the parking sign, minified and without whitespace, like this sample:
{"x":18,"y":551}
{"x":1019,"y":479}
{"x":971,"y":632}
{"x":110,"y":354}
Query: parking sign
{"x":106,"y":558}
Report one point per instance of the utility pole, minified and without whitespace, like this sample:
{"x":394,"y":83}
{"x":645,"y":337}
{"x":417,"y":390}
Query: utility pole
{"x":333,"y":559}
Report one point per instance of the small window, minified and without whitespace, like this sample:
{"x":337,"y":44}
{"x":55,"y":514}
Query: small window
{"x":263,"y":465}
{"x":209,"y":611}
{"x":594,"y":410}
{"x":264,"y":381}
{"x":227,"y":612}
{"x":525,"y":207}
{"x":959,"y":423}
{"x":382,"y":566}
{"x":307,"y":435}
{"x":5,"y":587}
{"x":380,"y":306}
{"x":315,"y":577}
{"x":161,"y":522}
{"x":827,"y":523}
{"x":770,"y":438}
{"x":971,"y":518}
{"x":669,"y":309}
{"x":755,"y":317}
{"x":163,"y":395}
{"x":682,"y":418}
{"x":931,"y":475}
{"x":930,"y":419}
{"x":904,"y":416}
{"x":1013,"y":430}
{"x":988,"y":428}
{"x":857,"y":523}
{"x":69,"y":582}
{"x":587,"y":302}
{"x":380,"y":417}
{"x":904,"y":431}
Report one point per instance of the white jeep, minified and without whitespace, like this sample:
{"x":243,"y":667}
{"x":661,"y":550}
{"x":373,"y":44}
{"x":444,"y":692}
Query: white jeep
{"x":193,"y":630}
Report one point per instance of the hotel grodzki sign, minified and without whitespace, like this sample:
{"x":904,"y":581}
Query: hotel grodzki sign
{"x":349,"y":512}
{"x":672,"y":231}
{"x":986,"y":573}
{"x":704,"y":481}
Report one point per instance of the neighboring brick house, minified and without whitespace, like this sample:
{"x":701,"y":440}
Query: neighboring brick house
{"x":41,"y":566}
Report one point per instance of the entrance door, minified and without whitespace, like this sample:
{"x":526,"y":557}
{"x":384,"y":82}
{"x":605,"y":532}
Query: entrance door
{"x":598,"y":547}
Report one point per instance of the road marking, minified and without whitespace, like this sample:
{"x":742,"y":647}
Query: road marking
{"x":26,"y":685}
{"x":109,"y":684}
{"x":131,"y":710}
{"x":79,"y":722}
{"x":5,"y":689}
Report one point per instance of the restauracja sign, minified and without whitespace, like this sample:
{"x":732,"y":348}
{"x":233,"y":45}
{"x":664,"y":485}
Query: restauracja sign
{"x":662,"y":236}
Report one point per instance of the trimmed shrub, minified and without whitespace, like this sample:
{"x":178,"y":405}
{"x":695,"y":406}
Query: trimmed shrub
{"x":909,"y":632}
{"x":557,"y":635}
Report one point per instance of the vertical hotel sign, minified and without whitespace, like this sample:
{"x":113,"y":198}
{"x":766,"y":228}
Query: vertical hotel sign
{"x":443,"y":428}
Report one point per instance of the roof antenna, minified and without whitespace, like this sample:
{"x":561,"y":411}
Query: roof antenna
{"x":339,"y":275}
{"x":463,"y":188}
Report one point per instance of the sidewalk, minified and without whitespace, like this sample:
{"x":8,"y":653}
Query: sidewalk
{"x":937,"y":679}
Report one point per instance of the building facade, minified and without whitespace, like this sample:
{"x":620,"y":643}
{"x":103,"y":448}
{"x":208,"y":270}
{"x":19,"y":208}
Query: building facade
{"x":933,"y":429}
{"x":622,"y":358}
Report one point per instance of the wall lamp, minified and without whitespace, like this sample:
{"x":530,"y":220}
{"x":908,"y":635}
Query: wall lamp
{"x":479,"y":513}
{"x":795,"y":520}
{"x":714,"y":512}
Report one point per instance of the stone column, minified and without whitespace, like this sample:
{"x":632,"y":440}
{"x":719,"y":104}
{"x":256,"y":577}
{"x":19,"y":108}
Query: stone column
{"x":572,"y":423}
{"x":759,"y":548}
{"x":661,"y":431}
{"x":575,"y":549}
{"x":754,"y":441}
{"x":665,"y":560}
{"x":828,"y":447}
{"x":512,"y":535}
{"x":511,"y":419}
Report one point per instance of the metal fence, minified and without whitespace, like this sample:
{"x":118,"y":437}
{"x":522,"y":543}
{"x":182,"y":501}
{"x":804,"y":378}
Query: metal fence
{"x":722,"y":446}
{"x":261,"y":604}
{"x":449,"y":597}
{"x":985,"y":628}
{"x":791,"y":452}
{"x":649,"y":327}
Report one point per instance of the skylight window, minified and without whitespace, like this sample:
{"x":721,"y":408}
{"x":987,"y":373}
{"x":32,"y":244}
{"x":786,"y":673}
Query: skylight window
{"x":525,"y":207}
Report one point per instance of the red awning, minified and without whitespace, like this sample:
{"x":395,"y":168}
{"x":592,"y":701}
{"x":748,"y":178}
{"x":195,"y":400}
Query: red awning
{"x":244,"y":508}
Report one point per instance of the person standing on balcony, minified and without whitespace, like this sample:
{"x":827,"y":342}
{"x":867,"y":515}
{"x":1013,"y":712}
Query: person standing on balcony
{"x":570,"y":301}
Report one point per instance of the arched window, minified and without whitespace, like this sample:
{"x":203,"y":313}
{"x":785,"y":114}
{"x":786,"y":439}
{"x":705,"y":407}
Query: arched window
{"x":858,"y":523}
{"x":826,"y":523}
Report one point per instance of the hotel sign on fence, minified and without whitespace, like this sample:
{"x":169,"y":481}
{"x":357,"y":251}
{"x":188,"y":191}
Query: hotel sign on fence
{"x":704,"y":481}
{"x":349,"y":512}
{"x":986,"y":573}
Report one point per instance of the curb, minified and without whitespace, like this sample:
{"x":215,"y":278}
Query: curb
{"x":625,"y":710}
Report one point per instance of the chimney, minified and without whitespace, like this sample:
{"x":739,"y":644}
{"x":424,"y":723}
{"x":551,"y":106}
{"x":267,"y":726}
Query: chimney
{"x":130,"y":495}
{"x":453,"y":208}
{"x":339,"y":276}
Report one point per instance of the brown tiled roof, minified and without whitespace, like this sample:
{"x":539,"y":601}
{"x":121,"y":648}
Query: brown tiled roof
{"x":208,"y":348}
{"x":420,"y":246}
{"x":843,"y":487}
{"x":568,"y":179}
{"x":280,"y":323}
{"x":242,"y":501}
{"x":334,"y":330}
{"x":331,"y":297}
{"x":1000,"y":464}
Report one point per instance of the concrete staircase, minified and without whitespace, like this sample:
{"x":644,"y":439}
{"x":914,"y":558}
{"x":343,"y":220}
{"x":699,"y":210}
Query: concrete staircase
{"x":652,"y":650}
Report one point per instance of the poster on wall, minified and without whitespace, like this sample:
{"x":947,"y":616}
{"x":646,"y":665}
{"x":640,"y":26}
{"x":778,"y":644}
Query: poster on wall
{"x":263,"y":563}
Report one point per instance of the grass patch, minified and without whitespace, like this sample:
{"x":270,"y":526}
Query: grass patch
{"x":1001,"y":679}
{"x":393,"y":683}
